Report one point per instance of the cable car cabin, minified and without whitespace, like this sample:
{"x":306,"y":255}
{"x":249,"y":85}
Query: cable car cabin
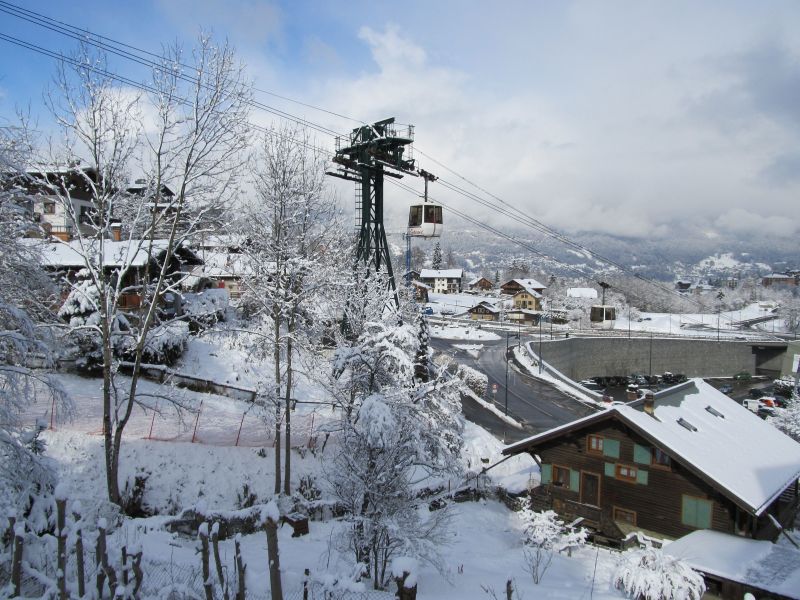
{"x":603,"y":316}
{"x":425,"y":220}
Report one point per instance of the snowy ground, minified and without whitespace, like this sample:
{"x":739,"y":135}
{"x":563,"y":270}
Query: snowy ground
{"x":457,"y":331}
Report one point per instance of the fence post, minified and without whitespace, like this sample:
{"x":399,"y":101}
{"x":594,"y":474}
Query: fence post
{"x":240,"y":429}
{"x":196,"y":421}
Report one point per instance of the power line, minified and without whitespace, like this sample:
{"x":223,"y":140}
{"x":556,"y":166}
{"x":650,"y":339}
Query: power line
{"x":124,"y":51}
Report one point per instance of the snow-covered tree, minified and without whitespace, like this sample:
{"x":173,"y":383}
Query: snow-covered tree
{"x":649,"y":574}
{"x":545,"y":534}
{"x":294,"y":258}
{"x":396,"y":433}
{"x":436,"y":261}
{"x":787,"y":419}
{"x":185,"y":134}
{"x":25,"y":292}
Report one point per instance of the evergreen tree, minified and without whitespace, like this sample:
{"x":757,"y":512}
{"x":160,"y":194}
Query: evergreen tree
{"x":436,"y":263}
{"x":497,"y":277}
{"x":421,"y":361}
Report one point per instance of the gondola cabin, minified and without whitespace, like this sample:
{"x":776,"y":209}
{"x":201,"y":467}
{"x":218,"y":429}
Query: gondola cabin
{"x":425,"y":220}
{"x":603,"y":316}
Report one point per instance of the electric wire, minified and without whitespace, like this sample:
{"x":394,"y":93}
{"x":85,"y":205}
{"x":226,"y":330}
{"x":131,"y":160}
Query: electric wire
{"x":110,"y":45}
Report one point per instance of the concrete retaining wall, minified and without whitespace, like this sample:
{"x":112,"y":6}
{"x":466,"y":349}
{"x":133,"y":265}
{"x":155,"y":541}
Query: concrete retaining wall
{"x":580,"y":358}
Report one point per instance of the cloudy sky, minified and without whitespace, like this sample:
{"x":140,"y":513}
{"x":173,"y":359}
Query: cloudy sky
{"x":620,"y":117}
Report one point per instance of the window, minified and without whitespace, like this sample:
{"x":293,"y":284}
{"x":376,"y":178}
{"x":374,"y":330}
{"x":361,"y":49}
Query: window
{"x":594,"y":444}
{"x":49,"y":208}
{"x":415,"y":216}
{"x":626,"y":473}
{"x":624,"y":515}
{"x":660,"y":458}
{"x":561,"y":477}
{"x":696,"y":512}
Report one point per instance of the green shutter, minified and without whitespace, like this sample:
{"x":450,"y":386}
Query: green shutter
{"x":547,"y":473}
{"x":641,"y":454}
{"x":703,"y":514}
{"x":641,"y":476}
{"x":611,"y":448}
{"x":574,"y":480}
{"x":609,"y":470}
{"x":689,"y":511}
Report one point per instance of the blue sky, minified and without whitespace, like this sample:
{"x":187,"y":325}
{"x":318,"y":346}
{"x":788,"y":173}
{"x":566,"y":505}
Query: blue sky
{"x":622,"y":117}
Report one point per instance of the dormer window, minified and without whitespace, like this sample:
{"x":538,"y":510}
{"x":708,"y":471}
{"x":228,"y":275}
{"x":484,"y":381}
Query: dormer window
{"x":685,"y":424}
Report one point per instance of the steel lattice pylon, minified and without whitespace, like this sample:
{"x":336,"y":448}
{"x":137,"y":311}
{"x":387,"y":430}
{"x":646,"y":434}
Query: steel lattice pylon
{"x":365,"y":156}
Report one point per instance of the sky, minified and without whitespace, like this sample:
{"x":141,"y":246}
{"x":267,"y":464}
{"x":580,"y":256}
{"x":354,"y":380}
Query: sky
{"x":631,"y":118}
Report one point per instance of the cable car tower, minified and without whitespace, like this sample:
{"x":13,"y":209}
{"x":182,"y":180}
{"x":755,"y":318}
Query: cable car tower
{"x":365,"y":156}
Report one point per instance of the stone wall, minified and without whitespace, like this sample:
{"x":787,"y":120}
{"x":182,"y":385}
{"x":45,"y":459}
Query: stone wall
{"x":580,"y":358}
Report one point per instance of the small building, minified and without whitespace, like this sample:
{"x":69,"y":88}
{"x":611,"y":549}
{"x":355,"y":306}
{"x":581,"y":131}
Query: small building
{"x":44,"y":192}
{"x":480,"y":284}
{"x":443,"y":281}
{"x":484,"y":311}
{"x":64,"y":261}
{"x":684,"y":459}
{"x":513,"y":286}
{"x":528,"y":299}
{"x":585,"y":293}
{"x":779,"y":280}
{"x":523,"y":316}
{"x":222,"y":270}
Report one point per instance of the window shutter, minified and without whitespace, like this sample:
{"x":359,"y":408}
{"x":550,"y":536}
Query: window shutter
{"x":574,"y":480}
{"x":689,"y":511}
{"x":609,"y":470}
{"x":547,"y":473}
{"x":703,"y":514}
{"x":641,"y":454}
{"x":611,"y":448}
{"x":641,"y":477}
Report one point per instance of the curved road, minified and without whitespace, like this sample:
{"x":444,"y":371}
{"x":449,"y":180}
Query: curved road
{"x":537,"y":405}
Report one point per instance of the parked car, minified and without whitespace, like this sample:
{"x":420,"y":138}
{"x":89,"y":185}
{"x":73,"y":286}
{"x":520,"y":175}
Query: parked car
{"x":751,"y":404}
{"x":743,"y":376}
{"x":726,"y":388}
{"x":427,"y":310}
{"x":765,"y":411}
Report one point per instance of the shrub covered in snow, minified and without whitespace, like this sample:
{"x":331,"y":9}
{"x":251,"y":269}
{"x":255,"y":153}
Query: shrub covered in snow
{"x":164,"y":344}
{"x":205,"y":308}
{"x":787,"y":419}
{"x":649,"y":574}
{"x":476,"y":381}
{"x":81,"y":306}
{"x":545,"y":534}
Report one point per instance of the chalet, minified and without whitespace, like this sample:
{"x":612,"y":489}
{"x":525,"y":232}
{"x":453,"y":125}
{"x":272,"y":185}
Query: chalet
{"x":480,"y":284}
{"x":684,"y":459}
{"x":528,"y":299}
{"x":40,"y":190}
{"x":513,"y":286}
{"x":484,"y":312}
{"x":443,"y":281}
{"x":523,"y":316}
{"x":221,"y":270}
{"x":131,"y":258}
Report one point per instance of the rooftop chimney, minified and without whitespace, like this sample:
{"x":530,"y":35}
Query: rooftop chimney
{"x":116,"y":231}
{"x":649,"y":402}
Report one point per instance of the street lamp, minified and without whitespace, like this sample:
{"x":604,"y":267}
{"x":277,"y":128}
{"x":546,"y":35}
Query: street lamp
{"x":540,"y":343}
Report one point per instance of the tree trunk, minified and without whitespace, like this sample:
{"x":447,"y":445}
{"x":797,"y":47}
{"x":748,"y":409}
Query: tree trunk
{"x":287,"y":471}
{"x":207,"y":585}
{"x":16,"y":562}
{"x":273,"y":556}
{"x":79,"y":557}
{"x":112,"y":460}
{"x":277,"y":357}
{"x":61,"y":560}
{"x":240,"y":570}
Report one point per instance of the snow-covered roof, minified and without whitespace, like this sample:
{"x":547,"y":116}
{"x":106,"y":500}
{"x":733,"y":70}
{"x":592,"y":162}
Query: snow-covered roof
{"x":581,"y":293}
{"x":223,"y":264}
{"x":745,"y":560}
{"x":530,"y":291}
{"x":749,"y":460}
{"x":524,"y":311}
{"x":441,"y":273}
{"x":488,"y":306}
{"x":116,"y":254}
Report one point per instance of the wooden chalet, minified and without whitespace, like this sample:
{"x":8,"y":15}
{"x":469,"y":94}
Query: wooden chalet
{"x":480,"y":284}
{"x":523,"y":316}
{"x":684,"y":459}
{"x":484,"y":312}
{"x":513,"y":286}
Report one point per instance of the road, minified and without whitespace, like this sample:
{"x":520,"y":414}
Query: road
{"x":537,"y":405}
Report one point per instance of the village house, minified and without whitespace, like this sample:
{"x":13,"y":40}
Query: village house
{"x":780,"y":280}
{"x":523,"y":316}
{"x":480,"y":284}
{"x":443,"y":281}
{"x":528,"y":299}
{"x":40,"y":191}
{"x":513,"y":286}
{"x":684,"y":459}
{"x":484,"y":311}
{"x":64,"y":262}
